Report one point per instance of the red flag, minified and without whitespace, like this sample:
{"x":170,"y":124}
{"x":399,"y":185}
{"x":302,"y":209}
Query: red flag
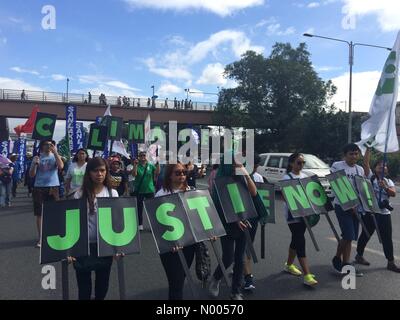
{"x":29,"y":124}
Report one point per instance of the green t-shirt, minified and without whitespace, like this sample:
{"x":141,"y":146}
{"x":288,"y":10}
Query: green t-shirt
{"x":147,"y":185}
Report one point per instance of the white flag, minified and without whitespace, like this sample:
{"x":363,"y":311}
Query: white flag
{"x":379,"y":131}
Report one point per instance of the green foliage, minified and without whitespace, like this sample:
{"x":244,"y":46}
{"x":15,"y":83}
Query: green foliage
{"x":285,"y":100}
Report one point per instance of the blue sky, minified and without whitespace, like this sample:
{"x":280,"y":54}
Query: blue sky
{"x":123,"y":47}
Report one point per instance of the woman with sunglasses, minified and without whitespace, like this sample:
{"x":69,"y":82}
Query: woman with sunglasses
{"x":174,"y":182}
{"x":297,"y":227}
{"x":96,"y":184}
{"x":144,"y":173}
{"x":234,"y":243}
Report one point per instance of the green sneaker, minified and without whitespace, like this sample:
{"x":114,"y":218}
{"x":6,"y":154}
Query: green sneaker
{"x":293,"y":270}
{"x":309,"y":280}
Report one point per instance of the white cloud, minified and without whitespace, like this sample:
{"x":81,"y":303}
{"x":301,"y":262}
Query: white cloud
{"x":58,"y":77}
{"x":176,"y":64}
{"x":219,"y":7}
{"x":312,"y":5}
{"x":172,"y":71}
{"x":364,"y":87}
{"x":240,"y":43}
{"x":16,"y":84}
{"x":386,"y":11}
{"x":168,"y":90}
{"x":22,"y":70}
{"x":120,"y":85}
{"x":276,"y":30}
{"x":327,"y":68}
{"x":213,"y":75}
{"x":106,"y":85}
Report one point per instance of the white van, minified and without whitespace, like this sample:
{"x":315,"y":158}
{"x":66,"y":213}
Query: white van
{"x":273,"y":168}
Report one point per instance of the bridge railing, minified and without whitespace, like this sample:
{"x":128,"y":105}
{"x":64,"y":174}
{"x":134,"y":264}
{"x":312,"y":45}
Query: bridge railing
{"x":131,"y":102}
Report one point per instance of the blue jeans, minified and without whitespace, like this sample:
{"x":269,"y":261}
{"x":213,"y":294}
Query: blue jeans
{"x":5,"y":194}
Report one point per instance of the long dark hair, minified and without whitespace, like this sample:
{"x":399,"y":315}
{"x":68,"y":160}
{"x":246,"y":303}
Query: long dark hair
{"x":169,"y":170}
{"x":88,"y":185}
{"x":292,"y":159}
{"x":75,"y":159}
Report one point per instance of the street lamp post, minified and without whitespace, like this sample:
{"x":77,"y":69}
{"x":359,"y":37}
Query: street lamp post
{"x":67,"y":88}
{"x":351,"y":45}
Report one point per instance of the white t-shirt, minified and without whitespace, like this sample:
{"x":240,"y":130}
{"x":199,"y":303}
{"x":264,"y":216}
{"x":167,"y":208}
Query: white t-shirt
{"x":257,"y":177}
{"x":129,"y":168}
{"x":76,"y":174}
{"x":163,"y":192}
{"x":93,"y":216}
{"x":351,"y":172}
{"x":385,"y":196}
{"x":286,"y":211}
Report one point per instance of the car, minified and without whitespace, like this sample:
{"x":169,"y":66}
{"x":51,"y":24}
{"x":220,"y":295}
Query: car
{"x":273,"y":168}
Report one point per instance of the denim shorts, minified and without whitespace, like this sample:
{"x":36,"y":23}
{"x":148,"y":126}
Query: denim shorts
{"x":348,"y":223}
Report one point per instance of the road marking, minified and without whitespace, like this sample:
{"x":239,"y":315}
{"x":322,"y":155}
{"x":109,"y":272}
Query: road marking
{"x":379,"y":253}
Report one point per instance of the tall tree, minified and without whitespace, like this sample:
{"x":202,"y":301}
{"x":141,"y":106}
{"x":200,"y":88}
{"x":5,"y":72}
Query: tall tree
{"x":274,"y":95}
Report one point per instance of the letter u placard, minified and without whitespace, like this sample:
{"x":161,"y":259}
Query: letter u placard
{"x":117,"y":226}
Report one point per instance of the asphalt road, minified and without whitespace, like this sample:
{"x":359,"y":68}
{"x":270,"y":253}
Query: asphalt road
{"x":21,"y":275}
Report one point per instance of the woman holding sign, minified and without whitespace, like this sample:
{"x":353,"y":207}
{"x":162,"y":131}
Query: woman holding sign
{"x":234,"y":243}
{"x":45,"y":169}
{"x":384,"y":189}
{"x":175,"y":181}
{"x":96,"y":184}
{"x":297,"y":227}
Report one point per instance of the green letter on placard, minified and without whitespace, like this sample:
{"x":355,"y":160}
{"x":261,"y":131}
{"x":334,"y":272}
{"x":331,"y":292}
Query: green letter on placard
{"x":264,"y":194}
{"x":113,"y":129}
{"x":236,"y":199}
{"x":201,"y":204}
{"x":107,"y":233}
{"x":294,"y":196}
{"x":136,"y":131}
{"x":72,"y":232}
{"x":344,"y":190}
{"x":41,"y":124}
{"x":95,"y":138}
{"x":319,"y":200}
{"x":166,"y":220}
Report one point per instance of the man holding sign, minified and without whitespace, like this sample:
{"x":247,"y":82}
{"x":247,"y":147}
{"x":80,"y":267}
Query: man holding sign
{"x":44,"y":169}
{"x":348,"y":221}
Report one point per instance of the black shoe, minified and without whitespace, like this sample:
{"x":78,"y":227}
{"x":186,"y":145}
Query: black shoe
{"x":392,"y":267}
{"x":337,"y":264}
{"x":358,"y":273}
{"x":360,"y":260}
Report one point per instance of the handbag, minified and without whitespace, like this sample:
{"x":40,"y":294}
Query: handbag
{"x":203,"y":263}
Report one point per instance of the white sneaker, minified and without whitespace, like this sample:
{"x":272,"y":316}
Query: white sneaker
{"x":141,"y":228}
{"x":213,"y":288}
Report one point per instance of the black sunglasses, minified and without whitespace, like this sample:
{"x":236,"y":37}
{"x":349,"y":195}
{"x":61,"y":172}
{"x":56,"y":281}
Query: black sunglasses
{"x":181,"y":173}
{"x":301,"y":163}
